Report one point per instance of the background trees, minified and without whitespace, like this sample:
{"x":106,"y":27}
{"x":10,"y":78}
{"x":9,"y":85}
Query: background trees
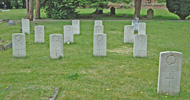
{"x":179,"y":7}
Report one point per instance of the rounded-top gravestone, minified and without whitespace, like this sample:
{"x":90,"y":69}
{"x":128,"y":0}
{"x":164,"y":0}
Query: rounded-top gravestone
{"x":112,"y":11}
{"x":11,"y":23}
{"x":150,"y":13}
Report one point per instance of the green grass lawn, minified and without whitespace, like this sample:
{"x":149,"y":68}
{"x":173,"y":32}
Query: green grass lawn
{"x":159,"y":14}
{"x":80,"y":76}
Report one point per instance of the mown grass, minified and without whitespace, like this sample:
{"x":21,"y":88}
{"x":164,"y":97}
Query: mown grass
{"x":81,"y":76}
{"x":159,"y":14}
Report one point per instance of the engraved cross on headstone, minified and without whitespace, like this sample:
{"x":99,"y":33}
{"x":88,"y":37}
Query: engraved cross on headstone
{"x":56,"y":51}
{"x":18,"y":50}
{"x":170,"y":77}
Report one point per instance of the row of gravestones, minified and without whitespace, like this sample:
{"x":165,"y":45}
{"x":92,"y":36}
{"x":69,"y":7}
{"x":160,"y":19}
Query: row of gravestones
{"x":170,"y":62}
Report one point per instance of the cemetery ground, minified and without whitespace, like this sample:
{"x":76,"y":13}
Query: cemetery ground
{"x":81,"y":76}
{"x":159,"y":14}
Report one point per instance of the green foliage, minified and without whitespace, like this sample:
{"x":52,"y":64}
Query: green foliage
{"x":179,"y":7}
{"x":161,"y":1}
{"x":72,"y":76}
{"x":61,"y":9}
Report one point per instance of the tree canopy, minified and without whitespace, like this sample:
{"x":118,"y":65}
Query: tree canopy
{"x":179,"y":7}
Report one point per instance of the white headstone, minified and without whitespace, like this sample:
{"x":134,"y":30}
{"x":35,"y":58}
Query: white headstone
{"x":25,"y":26}
{"x":140,"y":45}
{"x":142,"y":28}
{"x":98,"y":29}
{"x":76,"y":26}
{"x":169,"y":72}
{"x":135,"y":23}
{"x":68,"y":34}
{"x":39,"y":34}
{"x":128,"y":34}
{"x":98,"y":22}
{"x":56,"y":46}
{"x":99,"y":44}
{"x":19,"y":45}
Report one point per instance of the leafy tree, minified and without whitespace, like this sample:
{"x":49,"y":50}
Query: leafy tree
{"x":179,"y":7}
{"x":61,"y":9}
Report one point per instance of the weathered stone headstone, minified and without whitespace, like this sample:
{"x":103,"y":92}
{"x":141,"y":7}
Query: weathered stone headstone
{"x":19,"y":45}
{"x":135,"y":23}
{"x":25,"y":26}
{"x":68,"y":34}
{"x":112,"y":10}
{"x":140,"y":45}
{"x":76,"y":26}
{"x":169,"y":72}
{"x":56,"y":46}
{"x":98,"y":22}
{"x":39,"y":34}
{"x":99,"y":44}
{"x":142,"y":28}
{"x":98,"y":29}
{"x":2,"y":48}
{"x":128,"y":34}
{"x":11,"y":23}
{"x":150,"y":13}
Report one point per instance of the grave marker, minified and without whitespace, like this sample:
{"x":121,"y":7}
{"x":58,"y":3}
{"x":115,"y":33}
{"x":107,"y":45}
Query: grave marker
{"x":68,"y":34}
{"x":76,"y":26}
{"x":142,"y":28}
{"x":150,"y":13}
{"x":128,"y":34}
{"x":56,"y":46}
{"x":140,"y":45}
{"x":25,"y":26}
{"x":39,"y":34}
{"x":169,"y":72}
{"x":99,"y":44}
{"x":19,"y":45}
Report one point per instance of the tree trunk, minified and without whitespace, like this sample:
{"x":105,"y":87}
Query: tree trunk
{"x":27,"y":9}
{"x":31,"y":9}
{"x":137,"y":8}
{"x":16,"y":4}
{"x":182,"y":17}
{"x":37,"y":12}
{"x":23,"y":3}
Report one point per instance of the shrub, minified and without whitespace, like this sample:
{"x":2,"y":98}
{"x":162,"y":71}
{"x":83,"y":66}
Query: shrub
{"x":179,"y":7}
{"x":61,"y":9}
